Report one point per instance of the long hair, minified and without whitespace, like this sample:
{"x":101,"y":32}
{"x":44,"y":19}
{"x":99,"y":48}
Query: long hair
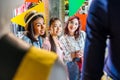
{"x":53,"y":46}
{"x":30,"y":26}
{"x":77,"y":32}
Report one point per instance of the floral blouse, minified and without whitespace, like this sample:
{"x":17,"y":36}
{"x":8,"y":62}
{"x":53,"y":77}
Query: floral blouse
{"x":71,"y":44}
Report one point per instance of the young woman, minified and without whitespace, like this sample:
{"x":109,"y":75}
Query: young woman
{"x":73,"y":38}
{"x":35,"y":27}
{"x":73,"y":43}
{"x":53,"y":44}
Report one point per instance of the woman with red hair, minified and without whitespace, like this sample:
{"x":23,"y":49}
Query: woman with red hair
{"x":73,"y":41}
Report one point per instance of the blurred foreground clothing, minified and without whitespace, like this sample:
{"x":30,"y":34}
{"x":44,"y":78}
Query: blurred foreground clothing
{"x":19,"y":61}
{"x":103,"y":22}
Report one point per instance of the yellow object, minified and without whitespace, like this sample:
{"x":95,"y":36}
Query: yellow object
{"x":20,"y":18}
{"x":66,"y":2}
{"x":106,"y":77}
{"x":36,"y":65}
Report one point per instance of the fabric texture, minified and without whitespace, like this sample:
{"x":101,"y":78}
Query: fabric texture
{"x":59,"y":48}
{"x":35,"y":66}
{"x":73,"y":70}
{"x":102,"y":24}
{"x":71,"y":45}
{"x":34,"y":43}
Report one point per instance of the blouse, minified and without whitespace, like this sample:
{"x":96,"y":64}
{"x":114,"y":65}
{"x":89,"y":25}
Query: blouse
{"x":71,"y":44}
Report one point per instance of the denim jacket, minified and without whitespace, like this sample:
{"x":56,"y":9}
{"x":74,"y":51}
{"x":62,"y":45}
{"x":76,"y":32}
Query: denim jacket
{"x":34,"y":43}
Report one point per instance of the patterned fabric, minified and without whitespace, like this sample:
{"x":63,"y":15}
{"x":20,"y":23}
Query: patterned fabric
{"x":73,"y":70}
{"x":71,"y":45}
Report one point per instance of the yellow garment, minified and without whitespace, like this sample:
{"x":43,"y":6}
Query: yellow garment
{"x":106,"y":77}
{"x":36,"y":65}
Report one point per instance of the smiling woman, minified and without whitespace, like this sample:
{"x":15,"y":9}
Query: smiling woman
{"x":20,"y":61}
{"x":34,"y":27}
{"x":73,"y":41}
{"x":53,"y":43}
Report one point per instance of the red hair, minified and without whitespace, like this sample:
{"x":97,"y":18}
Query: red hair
{"x":77,"y":32}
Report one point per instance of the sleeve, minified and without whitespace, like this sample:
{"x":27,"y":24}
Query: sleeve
{"x":63,"y":42}
{"x":95,"y":43}
{"x":82,"y":40}
{"x":26,"y":39}
{"x":67,"y":56}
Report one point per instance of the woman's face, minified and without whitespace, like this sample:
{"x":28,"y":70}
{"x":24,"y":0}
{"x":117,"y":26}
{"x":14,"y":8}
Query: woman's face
{"x":56,"y":28}
{"x":73,"y":25}
{"x":39,"y":26}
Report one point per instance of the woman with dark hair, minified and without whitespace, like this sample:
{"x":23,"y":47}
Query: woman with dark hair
{"x":73,"y":43}
{"x":20,"y":61}
{"x":35,"y":28}
{"x":53,"y":44}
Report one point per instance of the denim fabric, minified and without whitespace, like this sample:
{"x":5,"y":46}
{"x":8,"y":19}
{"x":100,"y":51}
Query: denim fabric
{"x":73,"y":70}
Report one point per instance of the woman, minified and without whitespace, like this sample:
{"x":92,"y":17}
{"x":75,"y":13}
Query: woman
{"x":53,"y":44}
{"x":35,"y":27}
{"x":73,"y":38}
{"x":73,"y":43}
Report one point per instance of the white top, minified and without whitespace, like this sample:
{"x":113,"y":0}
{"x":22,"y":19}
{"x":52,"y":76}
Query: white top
{"x":71,"y":44}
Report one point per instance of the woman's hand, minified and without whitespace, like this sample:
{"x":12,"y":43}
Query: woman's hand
{"x":46,"y":45}
{"x":77,"y":54}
